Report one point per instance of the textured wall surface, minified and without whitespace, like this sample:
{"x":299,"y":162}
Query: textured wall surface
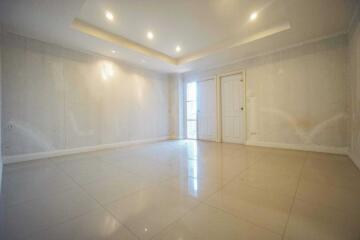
{"x":54,"y":98}
{"x":176,"y":106}
{"x":296,"y":96}
{"x":1,"y":160}
{"x":354,"y":73}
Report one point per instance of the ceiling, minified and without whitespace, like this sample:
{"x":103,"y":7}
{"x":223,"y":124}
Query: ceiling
{"x":209,"y":32}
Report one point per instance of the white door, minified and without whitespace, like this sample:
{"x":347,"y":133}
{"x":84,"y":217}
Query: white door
{"x":233,"y":108}
{"x":207,"y":110}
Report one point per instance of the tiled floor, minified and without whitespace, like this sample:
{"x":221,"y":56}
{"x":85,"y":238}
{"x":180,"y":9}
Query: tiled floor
{"x":183,"y":190}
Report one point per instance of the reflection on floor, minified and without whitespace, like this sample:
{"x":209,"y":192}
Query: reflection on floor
{"x":183,"y":190}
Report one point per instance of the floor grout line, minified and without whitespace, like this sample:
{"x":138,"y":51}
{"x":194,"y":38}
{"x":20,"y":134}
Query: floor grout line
{"x":294,"y":197}
{"x":199,"y":202}
{"x":65,"y":189}
{"x":165,"y":189}
{"x":65,"y":220}
{"x":177,"y":220}
{"x":103,"y":207}
{"x":145,"y":189}
{"x":240,"y":218}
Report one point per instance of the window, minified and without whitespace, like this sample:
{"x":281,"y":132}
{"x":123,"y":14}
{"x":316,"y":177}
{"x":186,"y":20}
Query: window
{"x":191,"y":111}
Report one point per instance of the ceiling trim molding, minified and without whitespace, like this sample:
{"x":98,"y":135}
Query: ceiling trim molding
{"x":235,"y":43}
{"x":102,"y":34}
{"x":342,"y":34}
{"x":99,"y":33}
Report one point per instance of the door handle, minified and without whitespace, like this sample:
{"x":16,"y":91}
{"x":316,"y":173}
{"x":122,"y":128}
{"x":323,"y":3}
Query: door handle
{"x":242,"y":109}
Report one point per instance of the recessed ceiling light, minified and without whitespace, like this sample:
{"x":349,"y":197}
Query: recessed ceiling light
{"x":109,"y":15}
{"x":150,"y":35}
{"x":253,"y":16}
{"x":113,"y":51}
{"x":178,"y":48}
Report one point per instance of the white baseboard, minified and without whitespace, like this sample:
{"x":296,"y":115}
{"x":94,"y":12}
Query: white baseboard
{"x":63,"y":152}
{"x":355,"y":160}
{"x":173,"y":137}
{"x":312,"y":148}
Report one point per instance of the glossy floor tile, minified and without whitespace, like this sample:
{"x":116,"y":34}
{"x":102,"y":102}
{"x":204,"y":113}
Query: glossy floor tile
{"x":332,"y":170}
{"x":262,"y":207}
{"x":333,"y":196}
{"x":27,"y":183}
{"x":207,"y":223}
{"x":35,"y":215}
{"x":267,"y":180}
{"x":195,"y":187}
{"x":315,"y":222}
{"x":149,"y":211}
{"x":183,"y":190}
{"x":110,"y":189}
{"x":95,"y":225}
{"x":86,"y":171}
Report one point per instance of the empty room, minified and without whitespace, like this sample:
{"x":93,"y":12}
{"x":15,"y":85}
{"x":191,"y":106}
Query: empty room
{"x":180,"y":119}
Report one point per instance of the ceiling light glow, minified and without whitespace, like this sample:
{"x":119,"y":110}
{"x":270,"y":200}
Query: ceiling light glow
{"x":107,"y":71}
{"x":178,"y":48}
{"x":253,"y":16}
{"x":113,"y":51}
{"x":109,"y":15}
{"x":150,"y":35}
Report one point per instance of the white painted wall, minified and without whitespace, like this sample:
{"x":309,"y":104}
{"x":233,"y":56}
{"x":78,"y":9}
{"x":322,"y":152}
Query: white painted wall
{"x":176,"y":106}
{"x":1,"y":160}
{"x":354,"y":74}
{"x":54,"y":98}
{"x":296,"y":98}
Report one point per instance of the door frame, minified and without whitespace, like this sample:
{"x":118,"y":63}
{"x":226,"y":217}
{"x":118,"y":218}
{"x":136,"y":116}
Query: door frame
{"x":219,"y":103}
{"x":185,"y":111}
{"x":203,"y":79}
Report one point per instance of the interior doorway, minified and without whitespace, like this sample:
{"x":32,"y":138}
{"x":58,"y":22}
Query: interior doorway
{"x":207,"y":107}
{"x":233,"y":108}
{"x":191,"y":110}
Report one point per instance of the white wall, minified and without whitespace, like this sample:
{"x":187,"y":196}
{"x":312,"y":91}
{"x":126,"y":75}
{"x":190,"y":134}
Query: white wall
{"x":296,"y":98}
{"x":54,"y":98}
{"x":176,"y":106}
{"x":1,"y":160}
{"x":354,"y":74}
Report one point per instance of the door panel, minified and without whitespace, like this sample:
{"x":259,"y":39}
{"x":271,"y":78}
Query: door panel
{"x":207,"y":110}
{"x":233,"y":109}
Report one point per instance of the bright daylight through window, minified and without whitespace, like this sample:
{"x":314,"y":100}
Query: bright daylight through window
{"x":191,"y":110}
